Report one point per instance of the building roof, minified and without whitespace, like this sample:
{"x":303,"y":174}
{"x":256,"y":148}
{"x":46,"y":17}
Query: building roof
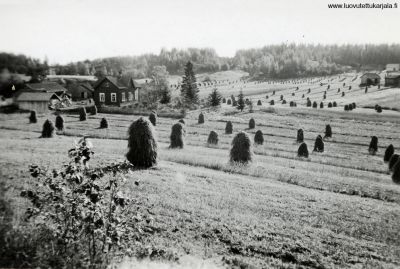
{"x":374,"y":75}
{"x":46,"y":87}
{"x":120,"y":83}
{"x":393,"y":75}
{"x":36,"y":96}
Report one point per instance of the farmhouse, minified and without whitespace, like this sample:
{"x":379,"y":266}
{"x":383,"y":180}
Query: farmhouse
{"x":49,"y":87}
{"x":370,"y":79}
{"x":114,"y":91}
{"x":392,"y":79}
{"x":39,"y":101}
{"x":80,"y":90}
{"x":393,"y":67}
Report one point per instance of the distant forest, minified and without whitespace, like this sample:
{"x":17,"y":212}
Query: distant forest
{"x":274,"y":61}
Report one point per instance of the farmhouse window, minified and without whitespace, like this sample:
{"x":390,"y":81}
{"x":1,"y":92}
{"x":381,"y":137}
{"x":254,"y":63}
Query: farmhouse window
{"x":113,"y":97}
{"x":102,"y":97}
{"x":136,"y":95}
{"x":130,"y":96}
{"x":123,"y":97}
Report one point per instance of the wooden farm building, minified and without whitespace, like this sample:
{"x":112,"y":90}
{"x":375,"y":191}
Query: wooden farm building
{"x":392,"y":79}
{"x":393,"y":67}
{"x":80,"y":90}
{"x":39,"y":101}
{"x":370,"y":79}
{"x":114,"y":91}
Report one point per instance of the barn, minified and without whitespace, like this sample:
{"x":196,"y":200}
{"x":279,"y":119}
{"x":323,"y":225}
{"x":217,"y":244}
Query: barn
{"x":80,"y":90}
{"x":114,"y":91}
{"x":39,"y":101}
{"x":370,"y":79}
{"x":392,"y":79}
{"x":393,"y":67}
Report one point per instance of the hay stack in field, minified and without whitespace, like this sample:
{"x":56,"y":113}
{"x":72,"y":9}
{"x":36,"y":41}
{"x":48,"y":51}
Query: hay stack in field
{"x":393,"y":160}
{"x":300,"y":136}
{"x":48,"y":129}
{"x":328,"y":131}
{"x":103,"y":123}
{"x":303,"y":150}
{"x":153,"y":118}
{"x":181,"y":121}
{"x":373,"y":146}
{"x":32,"y":117}
{"x":388,"y":153}
{"x":321,"y":105}
{"x":228,"y":127}
{"x":142,"y":144}
{"x":252,"y":123}
{"x":241,"y":151}
{"x":82,"y":114}
{"x":330,"y":105}
{"x":60,"y":123}
{"x":212,"y":138}
{"x":319,"y":144}
{"x":223,"y":100}
{"x":177,"y":136}
{"x":396,"y":172}
{"x":315,"y":105}
{"x":334,"y":104}
{"x":229,"y":102}
{"x":272,"y":102}
{"x":259,"y":137}
{"x":259,"y":103}
{"x":201,"y":118}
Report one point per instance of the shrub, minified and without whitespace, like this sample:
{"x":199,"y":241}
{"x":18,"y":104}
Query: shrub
{"x":259,"y":137}
{"x":396,"y":172}
{"x":315,"y":105}
{"x":334,"y":104}
{"x":48,"y":129}
{"x":32,"y":117}
{"x":153,"y":118}
{"x":94,"y":110}
{"x":60,"y":123}
{"x":212,"y":138}
{"x":349,"y":88}
{"x":388,"y":153}
{"x":259,"y":103}
{"x":272,"y":102}
{"x":266,"y":97}
{"x":321,"y":105}
{"x":302,"y":96}
{"x":300,"y":136}
{"x":177,"y":136}
{"x":328,"y":131}
{"x":330,"y":105}
{"x":373,"y":145}
{"x":229,"y":102}
{"x":201,"y":118}
{"x":103,"y":123}
{"x":142,"y":144}
{"x":293,"y":94}
{"x":228,"y":127}
{"x":303,"y":150}
{"x":393,"y":160}
{"x":309,"y":90}
{"x":291,"y":104}
{"x":241,"y":150}
{"x":252,"y":123}
{"x":82,"y":114}
{"x":319,"y":144}
{"x":281,"y":97}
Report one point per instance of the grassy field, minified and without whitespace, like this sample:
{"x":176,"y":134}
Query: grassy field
{"x":334,"y":209}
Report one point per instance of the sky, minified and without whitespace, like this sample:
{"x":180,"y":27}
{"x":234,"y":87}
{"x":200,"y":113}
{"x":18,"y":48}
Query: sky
{"x":74,"y":30}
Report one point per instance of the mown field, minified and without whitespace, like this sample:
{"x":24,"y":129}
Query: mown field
{"x":337,"y":209}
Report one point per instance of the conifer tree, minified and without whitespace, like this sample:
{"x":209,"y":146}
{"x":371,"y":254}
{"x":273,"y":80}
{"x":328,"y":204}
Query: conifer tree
{"x":214,"y":99}
{"x":240,"y":102}
{"x":189,"y":90}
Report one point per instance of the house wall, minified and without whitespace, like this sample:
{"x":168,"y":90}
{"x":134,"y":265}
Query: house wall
{"x":107,"y":88}
{"x":392,"y":82}
{"x":39,"y":106}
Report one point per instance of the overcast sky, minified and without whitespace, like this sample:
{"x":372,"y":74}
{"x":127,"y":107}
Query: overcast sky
{"x":72,"y":30}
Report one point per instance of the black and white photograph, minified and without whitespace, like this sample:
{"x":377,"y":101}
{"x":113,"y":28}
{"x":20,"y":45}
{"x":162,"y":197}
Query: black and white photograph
{"x":204,"y":134}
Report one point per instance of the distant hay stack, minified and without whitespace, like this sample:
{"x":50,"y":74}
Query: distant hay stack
{"x":212,"y":138}
{"x":330,"y":105}
{"x":388,"y":153}
{"x":300,"y":136}
{"x":241,"y":151}
{"x":201,"y":118}
{"x":303,"y":150}
{"x":373,"y":146}
{"x":32,"y":117}
{"x":48,"y":129}
{"x":103,"y":123}
{"x":142,"y":144}
{"x":328,"y":131}
{"x":334,"y":104}
{"x":319,"y":144}
{"x":82,"y":114}
{"x":252,"y":123}
{"x":259,"y":103}
{"x":272,"y":102}
{"x":153,"y":118}
{"x":228,"y":127}
{"x":177,"y":136}
{"x":224,"y":100}
{"x":259,"y":138}
{"x":60,"y":123}
{"x":396,"y":172}
{"x":229,"y":102}
{"x":393,"y":160}
{"x":321,"y":105}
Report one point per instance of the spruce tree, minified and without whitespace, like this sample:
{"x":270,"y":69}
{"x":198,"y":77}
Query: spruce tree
{"x":214,"y":99}
{"x":240,"y":102}
{"x":189,"y":90}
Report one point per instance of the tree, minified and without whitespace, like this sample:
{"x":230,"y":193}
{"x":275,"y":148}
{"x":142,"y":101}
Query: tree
{"x":214,"y":99}
{"x":160,"y":75}
{"x":240,"y":102}
{"x":189,"y":90}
